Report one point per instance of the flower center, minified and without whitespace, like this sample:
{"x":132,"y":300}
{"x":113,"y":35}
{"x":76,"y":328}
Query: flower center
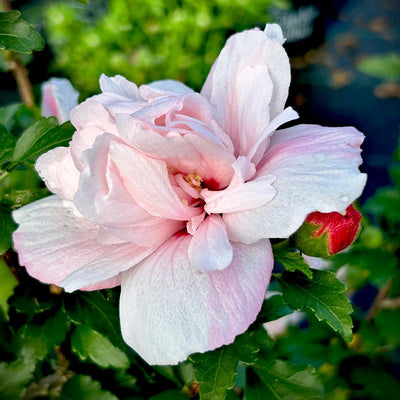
{"x":194,"y":180}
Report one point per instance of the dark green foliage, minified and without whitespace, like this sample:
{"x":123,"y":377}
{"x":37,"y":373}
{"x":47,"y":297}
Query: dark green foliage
{"x":17,"y":34}
{"x":283,"y":381}
{"x":294,"y":262}
{"x":215,"y":371}
{"x":84,"y":388}
{"x":323,"y":295}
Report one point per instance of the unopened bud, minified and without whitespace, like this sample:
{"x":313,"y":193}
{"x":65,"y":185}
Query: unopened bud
{"x":325,"y":234}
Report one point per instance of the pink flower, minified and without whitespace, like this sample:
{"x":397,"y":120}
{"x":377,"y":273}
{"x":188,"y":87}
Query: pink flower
{"x":173,"y":194}
{"x":58,"y":98}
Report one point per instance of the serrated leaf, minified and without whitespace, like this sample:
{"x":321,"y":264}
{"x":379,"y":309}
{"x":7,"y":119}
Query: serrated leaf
{"x":91,"y":345}
{"x":284,"y":381}
{"x":7,"y":141}
{"x":7,"y":227}
{"x":83,"y":387}
{"x":18,"y":35}
{"x":41,"y":137}
{"x":13,"y":379}
{"x":7,"y":284}
{"x":273,"y":308}
{"x":215,"y":371}
{"x":294,"y":262}
{"x":323,"y":295}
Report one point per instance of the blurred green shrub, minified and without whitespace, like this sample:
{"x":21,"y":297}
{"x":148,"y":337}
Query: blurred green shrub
{"x":147,"y":40}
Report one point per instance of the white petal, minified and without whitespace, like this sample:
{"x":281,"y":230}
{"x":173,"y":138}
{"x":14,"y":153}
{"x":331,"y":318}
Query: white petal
{"x":57,"y":169}
{"x":240,"y":195}
{"x":168,"y":310}
{"x":53,"y":241}
{"x":209,"y":248}
{"x":316,"y":169}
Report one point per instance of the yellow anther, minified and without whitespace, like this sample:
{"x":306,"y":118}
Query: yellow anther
{"x":194,"y":180}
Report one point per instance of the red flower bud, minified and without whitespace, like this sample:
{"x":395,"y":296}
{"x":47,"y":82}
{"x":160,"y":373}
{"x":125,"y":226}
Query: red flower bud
{"x":325,"y":234}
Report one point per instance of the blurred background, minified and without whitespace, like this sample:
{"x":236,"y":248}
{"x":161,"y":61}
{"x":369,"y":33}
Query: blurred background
{"x":344,"y":54}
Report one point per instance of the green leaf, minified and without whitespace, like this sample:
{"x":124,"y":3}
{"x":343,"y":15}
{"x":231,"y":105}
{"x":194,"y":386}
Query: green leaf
{"x":323,"y":295}
{"x":394,"y":171}
{"x":283,"y":381}
{"x":7,"y":284}
{"x":41,"y":137}
{"x":375,"y":383}
{"x":7,"y":141}
{"x":7,"y":227}
{"x":364,"y":261}
{"x":255,"y":388}
{"x":387,"y":322}
{"x":91,"y":345}
{"x":385,"y":66}
{"x":13,"y":379}
{"x":36,"y":339}
{"x":17,"y":34}
{"x":215,"y":371}
{"x":273,"y":308}
{"x":385,"y":204}
{"x":294,"y":262}
{"x":94,"y":310}
{"x":169,"y":395}
{"x":83,"y":387}
{"x":7,"y":114}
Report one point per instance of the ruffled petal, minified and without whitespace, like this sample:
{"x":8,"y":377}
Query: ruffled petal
{"x":103,"y":198}
{"x":91,"y":119}
{"x":58,"y":170}
{"x":209,"y":248}
{"x":169,"y":310}
{"x":248,"y":85}
{"x":164,"y":87}
{"x":240,"y":195}
{"x":53,"y":240}
{"x":147,"y":182}
{"x":316,"y":169}
{"x":189,"y":153}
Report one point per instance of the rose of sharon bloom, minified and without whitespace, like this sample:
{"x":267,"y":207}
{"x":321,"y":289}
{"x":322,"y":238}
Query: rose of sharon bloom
{"x":174,"y":194}
{"x":325,"y":234}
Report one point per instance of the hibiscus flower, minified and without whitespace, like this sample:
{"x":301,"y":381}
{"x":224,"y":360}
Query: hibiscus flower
{"x":174,"y":195}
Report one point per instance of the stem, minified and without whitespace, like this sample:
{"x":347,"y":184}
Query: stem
{"x":380,"y":297}
{"x":7,"y":5}
{"x":284,"y":245}
{"x":19,"y":71}
{"x":24,"y":85}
